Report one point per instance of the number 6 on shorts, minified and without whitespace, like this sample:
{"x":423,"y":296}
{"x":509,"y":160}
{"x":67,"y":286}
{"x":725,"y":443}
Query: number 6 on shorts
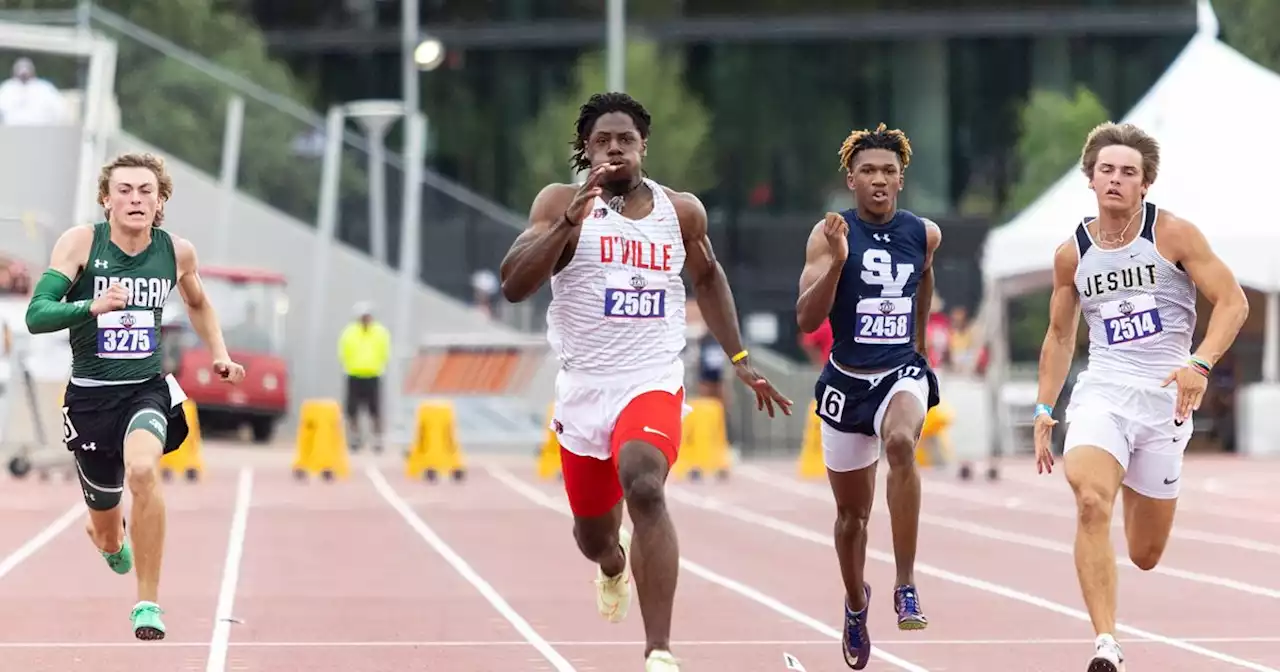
{"x":832,"y":404}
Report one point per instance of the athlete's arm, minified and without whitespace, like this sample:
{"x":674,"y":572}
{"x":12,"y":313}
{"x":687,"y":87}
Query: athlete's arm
{"x":820,"y":277}
{"x":715,"y":299}
{"x":46,"y":312}
{"x":199,"y":309}
{"x":924,"y":290}
{"x":1064,"y":319}
{"x":543,"y":248}
{"x":1214,"y":279}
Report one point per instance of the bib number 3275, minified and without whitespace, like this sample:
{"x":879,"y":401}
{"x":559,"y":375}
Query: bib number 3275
{"x":126,"y":334}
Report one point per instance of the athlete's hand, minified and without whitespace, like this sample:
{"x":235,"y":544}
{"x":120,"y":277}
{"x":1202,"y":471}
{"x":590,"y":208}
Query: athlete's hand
{"x":1044,"y":443}
{"x":766,"y":394}
{"x":1191,"y":385}
{"x":837,"y":232}
{"x":115,"y":298}
{"x":576,"y":213}
{"x":228,"y":370}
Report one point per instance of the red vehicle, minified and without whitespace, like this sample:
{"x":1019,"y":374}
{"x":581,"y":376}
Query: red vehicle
{"x":252,"y":305}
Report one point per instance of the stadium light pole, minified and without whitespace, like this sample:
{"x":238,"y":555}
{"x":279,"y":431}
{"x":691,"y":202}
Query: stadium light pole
{"x":376,"y":117}
{"x":616,"y":45}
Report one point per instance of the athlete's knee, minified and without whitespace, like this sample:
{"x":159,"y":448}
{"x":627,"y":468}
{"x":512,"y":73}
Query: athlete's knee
{"x":900,"y":448}
{"x":642,"y":470}
{"x":851,"y":521}
{"x":141,"y":462}
{"x":1146,"y":556}
{"x":1093,"y":507}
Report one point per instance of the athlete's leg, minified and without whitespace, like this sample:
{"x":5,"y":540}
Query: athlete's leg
{"x":851,"y":469}
{"x":646,"y":438}
{"x":1147,"y":524}
{"x":143,"y":446}
{"x":1095,"y":474}
{"x":102,"y":482}
{"x":595,"y":497}
{"x":1151,"y":487}
{"x":900,"y":428}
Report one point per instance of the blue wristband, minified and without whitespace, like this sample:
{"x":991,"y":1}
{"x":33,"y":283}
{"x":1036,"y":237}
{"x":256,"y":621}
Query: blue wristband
{"x":1042,"y":409}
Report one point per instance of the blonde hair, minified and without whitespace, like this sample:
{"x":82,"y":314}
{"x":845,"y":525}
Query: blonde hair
{"x":1128,"y":135}
{"x":882,"y":138}
{"x":149,"y":161}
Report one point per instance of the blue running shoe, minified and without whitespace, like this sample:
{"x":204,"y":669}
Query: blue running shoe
{"x":856,"y":639}
{"x":906,"y":601}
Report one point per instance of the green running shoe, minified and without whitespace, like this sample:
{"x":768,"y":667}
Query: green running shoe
{"x":146,"y":621}
{"x":122,"y":560}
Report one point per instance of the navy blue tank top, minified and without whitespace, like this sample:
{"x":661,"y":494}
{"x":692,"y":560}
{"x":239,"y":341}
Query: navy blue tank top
{"x":873,"y":315}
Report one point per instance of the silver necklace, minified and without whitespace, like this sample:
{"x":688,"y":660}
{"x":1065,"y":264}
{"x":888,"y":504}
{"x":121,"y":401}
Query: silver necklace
{"x":617,"y":203}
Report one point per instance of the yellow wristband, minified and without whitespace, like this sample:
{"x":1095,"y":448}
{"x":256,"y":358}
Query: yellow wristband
{"x":739,"y":357}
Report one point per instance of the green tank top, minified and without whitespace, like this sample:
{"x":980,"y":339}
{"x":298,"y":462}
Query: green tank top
{"x":123,"y":345}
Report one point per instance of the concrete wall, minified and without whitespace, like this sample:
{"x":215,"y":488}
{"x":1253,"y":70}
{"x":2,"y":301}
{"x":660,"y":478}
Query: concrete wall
{"x":38,"y":177}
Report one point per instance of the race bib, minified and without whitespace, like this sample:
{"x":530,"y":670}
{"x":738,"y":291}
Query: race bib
{"x":127,"y":334}
{"x":632,"y":294}
{"x":885,"y":320}
{"x":1131,"y":320}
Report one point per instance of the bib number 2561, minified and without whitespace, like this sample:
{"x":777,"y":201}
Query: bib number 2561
{"x":643,"y":303}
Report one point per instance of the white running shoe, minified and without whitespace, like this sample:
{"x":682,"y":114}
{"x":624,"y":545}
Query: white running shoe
{"x":613,"y":594}
{"x":661,"y":661}
{"x":1107,"y":656}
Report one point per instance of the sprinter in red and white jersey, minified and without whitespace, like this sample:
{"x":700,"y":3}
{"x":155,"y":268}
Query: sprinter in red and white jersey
{"x":614,"y":248}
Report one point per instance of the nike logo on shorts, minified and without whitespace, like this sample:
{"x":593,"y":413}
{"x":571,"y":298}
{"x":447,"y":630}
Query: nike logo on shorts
{"x":1169,"y":482}
{"x":651,"y":430}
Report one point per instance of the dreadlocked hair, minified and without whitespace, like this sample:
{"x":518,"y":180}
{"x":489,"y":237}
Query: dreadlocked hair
{"x":882,"y":138}
{"x":597,"y":106}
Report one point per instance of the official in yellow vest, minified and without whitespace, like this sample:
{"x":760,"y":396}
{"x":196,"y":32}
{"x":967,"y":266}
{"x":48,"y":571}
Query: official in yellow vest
{"x":364,"y":350}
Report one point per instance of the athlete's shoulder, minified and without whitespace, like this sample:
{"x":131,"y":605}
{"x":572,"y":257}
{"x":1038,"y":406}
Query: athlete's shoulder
{"x":689,"y":210}
{"x":1066,"y":257}
{"x":554,"y":194}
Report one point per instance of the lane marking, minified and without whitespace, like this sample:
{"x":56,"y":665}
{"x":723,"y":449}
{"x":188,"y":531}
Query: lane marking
{"x":517,"y":643}
{"x":816,"y":493}
{"x":466,"y":571}
{"x":540,"y":498}
{"x":806,"y":534}
{"x":41,"y":538}
{"x":230,"y":574}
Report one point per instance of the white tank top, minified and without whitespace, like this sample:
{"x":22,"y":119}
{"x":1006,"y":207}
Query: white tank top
{"x":618,"y":307}
{"x":1139,"y":306}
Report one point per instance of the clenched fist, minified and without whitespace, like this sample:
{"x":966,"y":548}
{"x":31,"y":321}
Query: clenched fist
{"x":115,"y":298}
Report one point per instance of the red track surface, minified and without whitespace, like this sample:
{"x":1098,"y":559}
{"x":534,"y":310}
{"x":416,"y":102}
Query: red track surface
{"x":382,"y":574}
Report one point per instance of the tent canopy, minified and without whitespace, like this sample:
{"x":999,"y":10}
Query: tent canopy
{"x":1214,"y":113}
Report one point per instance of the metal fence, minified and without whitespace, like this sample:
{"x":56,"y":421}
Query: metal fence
{"x":176,"y":100}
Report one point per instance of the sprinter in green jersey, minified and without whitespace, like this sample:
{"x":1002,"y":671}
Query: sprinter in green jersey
{"x":107,"y":284}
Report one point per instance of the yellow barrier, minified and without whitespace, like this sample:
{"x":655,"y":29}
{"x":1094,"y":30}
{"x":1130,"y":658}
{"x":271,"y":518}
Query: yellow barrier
{"x":188,"y":459}
{"x":704,"y":448}
{"x":435,"y":448}
{"x":322,"y":441}
{"x":549,"y":454}
{"x":811,"y":464}
{"x":936,"y":422}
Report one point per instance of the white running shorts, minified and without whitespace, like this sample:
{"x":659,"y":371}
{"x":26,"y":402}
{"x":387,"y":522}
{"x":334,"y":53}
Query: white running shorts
{"x":1135,"y":424}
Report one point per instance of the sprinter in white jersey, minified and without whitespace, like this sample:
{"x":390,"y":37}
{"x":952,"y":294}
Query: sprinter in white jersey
{"x":1133,"y":271}
{"x":614,"y":248}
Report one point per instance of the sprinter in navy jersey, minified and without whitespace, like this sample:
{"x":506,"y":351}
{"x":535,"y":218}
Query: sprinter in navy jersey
{"x":870,"y":271}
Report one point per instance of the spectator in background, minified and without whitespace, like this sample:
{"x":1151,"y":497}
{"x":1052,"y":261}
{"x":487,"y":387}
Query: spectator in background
{"x":484,"y":284}
{"x":364,"y":350}
{"x":26,"y":100}
{"x":818,"y":344}
{"x":963,"y":345}
{"x":938,"y":335}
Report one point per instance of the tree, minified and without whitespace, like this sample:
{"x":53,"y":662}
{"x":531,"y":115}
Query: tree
{"x":182,"y":109}
{"x":1250,"y":27}
{"x":1053,"y":131}
{"x":678,"y":154}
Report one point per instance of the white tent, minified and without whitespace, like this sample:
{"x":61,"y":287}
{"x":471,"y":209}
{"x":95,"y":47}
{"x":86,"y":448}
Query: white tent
{"x":1214,"y":113}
